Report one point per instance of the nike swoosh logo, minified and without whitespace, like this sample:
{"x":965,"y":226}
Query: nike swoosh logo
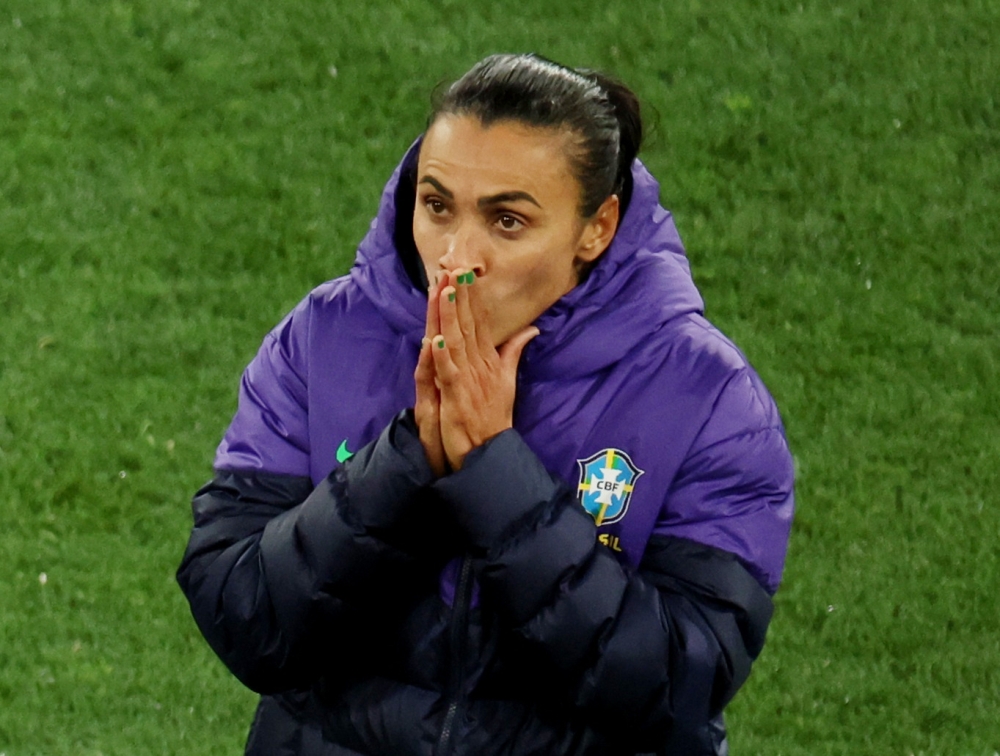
{"x":342,"y":454}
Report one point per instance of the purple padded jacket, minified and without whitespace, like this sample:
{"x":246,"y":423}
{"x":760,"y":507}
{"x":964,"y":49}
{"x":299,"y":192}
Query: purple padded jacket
{"x":595,"y":581}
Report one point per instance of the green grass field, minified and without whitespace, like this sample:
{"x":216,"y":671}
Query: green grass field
{"x":175,"y":175}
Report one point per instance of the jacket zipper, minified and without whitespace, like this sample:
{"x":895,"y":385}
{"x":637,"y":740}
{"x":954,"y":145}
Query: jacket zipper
{"x":458,"y":633}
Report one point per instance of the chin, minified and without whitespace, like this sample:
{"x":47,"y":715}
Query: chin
{"x":505,"y":334}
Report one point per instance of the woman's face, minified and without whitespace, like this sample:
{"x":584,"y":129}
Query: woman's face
{"x":502,"y":201}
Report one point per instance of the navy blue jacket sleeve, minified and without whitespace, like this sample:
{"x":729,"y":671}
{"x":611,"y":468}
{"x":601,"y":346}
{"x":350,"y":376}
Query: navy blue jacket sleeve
{"x":280,"y":574}
{"x":653,"y":654}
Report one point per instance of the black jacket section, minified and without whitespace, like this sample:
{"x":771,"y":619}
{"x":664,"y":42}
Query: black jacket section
{"x":650,"y":656}
{"x":281,"y":727}
{"x":279,"y":575}
{"x":733,"y":602}
{"x":329,"y":600}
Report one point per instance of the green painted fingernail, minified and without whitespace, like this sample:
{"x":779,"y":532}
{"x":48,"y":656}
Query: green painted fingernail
{"x":440,"y":343}
{"x":451,"y":296}
{"x":470,"y":277}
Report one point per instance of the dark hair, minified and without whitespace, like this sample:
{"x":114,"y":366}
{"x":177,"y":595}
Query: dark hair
{"x":600,"y":112}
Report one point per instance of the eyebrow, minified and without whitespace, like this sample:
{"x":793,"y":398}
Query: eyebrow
{"x":437,"y":185}
{"x":499,"y":199}
{"x":495,"y":199}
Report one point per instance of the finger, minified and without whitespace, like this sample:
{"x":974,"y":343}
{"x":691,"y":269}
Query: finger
{"x":428,"y":401}
{"x":425,"y":364}
{"x":433,"y":325}
{"x":466,"y":320}
{"x":423,"y":376}
{"x":510,"y":352}
{"x":445,"y":370}
{"x":427,"y":410}
{"x":483,"y":333}
{"x":450,"y":328}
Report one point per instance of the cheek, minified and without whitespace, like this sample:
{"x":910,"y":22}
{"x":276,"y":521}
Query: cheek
{"x":553,"y":259}
{"x":546,"y":274}
{"x":426,"y":242}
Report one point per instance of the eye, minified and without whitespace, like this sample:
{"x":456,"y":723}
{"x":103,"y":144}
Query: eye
{"x":434,"y":206}
{"x":509,"y":222}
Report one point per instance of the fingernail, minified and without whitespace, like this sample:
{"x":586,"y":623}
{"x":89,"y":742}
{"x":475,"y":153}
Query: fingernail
{"x":440,"y":342}
{"x":424,"y":342}
{"x":451,"y":296}
{"x":470,"y":277}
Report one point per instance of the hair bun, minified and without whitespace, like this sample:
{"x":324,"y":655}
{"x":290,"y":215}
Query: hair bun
{"x":629,"y":115}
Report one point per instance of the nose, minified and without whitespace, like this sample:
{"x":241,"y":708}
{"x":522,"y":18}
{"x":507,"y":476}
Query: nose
{"x":463,"y":250}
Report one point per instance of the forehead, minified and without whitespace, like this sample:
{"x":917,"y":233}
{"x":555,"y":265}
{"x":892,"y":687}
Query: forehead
{"x":504,"y":156}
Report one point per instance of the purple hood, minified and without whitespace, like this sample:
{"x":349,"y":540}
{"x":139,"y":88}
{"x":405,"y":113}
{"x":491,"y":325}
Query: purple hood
{"x":645,"y":256}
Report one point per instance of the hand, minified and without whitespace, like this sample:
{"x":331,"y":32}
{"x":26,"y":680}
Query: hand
{"x":476,"y":382}
{"x":427,"y":407}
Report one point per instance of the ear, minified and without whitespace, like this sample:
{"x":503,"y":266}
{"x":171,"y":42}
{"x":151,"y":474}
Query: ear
{"x":599,"y":230}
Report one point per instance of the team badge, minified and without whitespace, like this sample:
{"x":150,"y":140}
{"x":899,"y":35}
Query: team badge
{"x":607,"y":480}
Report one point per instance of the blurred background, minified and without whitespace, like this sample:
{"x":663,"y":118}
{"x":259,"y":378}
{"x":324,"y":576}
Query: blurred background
{"x":175,"y":175}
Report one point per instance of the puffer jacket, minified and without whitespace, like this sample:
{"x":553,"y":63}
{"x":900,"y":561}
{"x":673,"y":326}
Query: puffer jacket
{"x":596,"y":580}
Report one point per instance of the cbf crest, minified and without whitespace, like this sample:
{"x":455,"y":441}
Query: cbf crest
{"x":607,"y":481}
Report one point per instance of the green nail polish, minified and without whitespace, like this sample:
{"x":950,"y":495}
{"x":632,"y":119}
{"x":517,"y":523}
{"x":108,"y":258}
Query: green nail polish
{"x":470,"y":277}
{"x":440,"y":343}
{"x":451,"y":296}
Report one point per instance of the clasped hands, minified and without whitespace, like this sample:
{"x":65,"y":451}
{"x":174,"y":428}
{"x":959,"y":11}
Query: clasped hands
{"x":465,"y":384}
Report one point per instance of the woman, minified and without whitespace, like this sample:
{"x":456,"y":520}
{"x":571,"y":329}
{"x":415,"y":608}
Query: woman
{"x":569,"y":497}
